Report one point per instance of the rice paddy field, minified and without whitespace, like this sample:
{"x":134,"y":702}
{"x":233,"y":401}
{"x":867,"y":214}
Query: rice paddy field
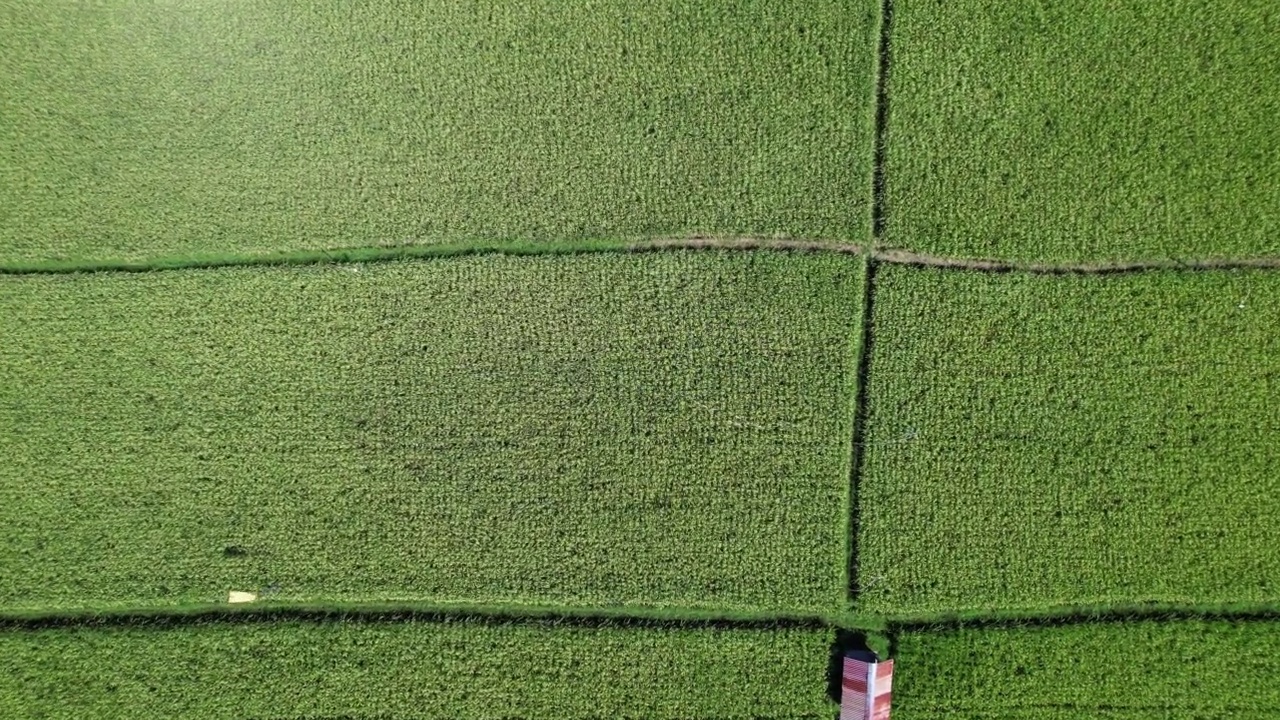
{"x":664,"y":429}
{"x":1084,"y":130}
{"x":1043,"y":440}
{"x":1124,"y":671}
{"x":137,"y":130}
{"x":412,"y":668}
{"x":578,"y":360}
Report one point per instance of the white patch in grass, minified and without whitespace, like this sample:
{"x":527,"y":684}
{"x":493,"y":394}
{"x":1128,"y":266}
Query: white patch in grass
{"x":235,"y":596}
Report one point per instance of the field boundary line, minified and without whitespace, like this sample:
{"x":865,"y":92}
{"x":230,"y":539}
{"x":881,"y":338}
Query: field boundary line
{"x":392,"y":253}
{"x":636,"y":616}
{"x":857,"y":450}
{"x":576,"y":616}
{"x":879,"y":186}
{"x":879,"y":192}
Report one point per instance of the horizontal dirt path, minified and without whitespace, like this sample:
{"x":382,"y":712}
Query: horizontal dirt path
{"x":694,"y":242}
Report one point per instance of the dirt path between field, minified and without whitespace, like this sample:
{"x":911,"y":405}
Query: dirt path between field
{"x":385,"y":253}
{"x":925,"y":260}
{"x":906,"y":257}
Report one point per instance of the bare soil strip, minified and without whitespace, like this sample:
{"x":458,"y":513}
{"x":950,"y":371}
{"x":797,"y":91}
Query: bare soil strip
{"x":592,"y":616}
{"x":694,"y":242}
{"x":907,"y":257}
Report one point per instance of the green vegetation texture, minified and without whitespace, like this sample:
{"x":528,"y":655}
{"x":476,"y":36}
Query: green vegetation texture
{"x":1043,"y":440}
{"x":411,"y":669}
{"x":1084,"y":130}
{"x":131,"y":130}
{"x":667,"y":429}
{"x":1179,"y":670}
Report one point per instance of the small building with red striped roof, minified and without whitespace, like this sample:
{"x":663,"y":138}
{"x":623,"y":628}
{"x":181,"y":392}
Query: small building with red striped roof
{"x":866,"y":689}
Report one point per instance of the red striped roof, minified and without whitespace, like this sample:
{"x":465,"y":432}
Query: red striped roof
{"x":866,"y":689}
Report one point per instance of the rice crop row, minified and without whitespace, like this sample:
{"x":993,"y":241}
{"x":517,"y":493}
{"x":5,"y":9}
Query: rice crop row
{"x":663,"y":430}
{"x":139,"y":130}
{"x":1126,"y":671}
{"x":1035,"y":441}
{"x":412,"y":669}
{"x":1084,"y":130}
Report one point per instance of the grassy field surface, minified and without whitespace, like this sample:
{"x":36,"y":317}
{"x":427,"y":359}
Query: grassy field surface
{"x":1044,"y":440}
{"x":298,"y":669}
{"x":666,"y":429}
{"x":1085,"y":129}
{"x":1177,"y":669}
{"x":138,"y":129}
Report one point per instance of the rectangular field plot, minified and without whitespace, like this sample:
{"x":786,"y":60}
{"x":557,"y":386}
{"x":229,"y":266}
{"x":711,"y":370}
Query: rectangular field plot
{"x":412,"y":669}
{"x":661,"y":429}
{"x":1040,"y":440}
{"x":136,"y":130}
{"x":1168,"y":669}
{"x":1084,"y":130}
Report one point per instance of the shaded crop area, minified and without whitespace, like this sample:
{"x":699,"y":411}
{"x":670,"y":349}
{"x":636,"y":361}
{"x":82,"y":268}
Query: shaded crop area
{"x":411,"y":670}
{"x":666,"y":430}
{"x":137,"y":130}
{"x":1187,"y":669}
{"x":1084,"y":130}
{"x":1044,"y":440}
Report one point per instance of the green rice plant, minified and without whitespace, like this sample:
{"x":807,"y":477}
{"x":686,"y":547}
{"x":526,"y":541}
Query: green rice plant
{"x":664,"y":430}
{"x":1038,"y":440}
{"x":135,"y":130}
{"x":1116,"y":671}
{"x":1058,"y":614}
{"x":412,"y":669}
{"x":1084,"y":130}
